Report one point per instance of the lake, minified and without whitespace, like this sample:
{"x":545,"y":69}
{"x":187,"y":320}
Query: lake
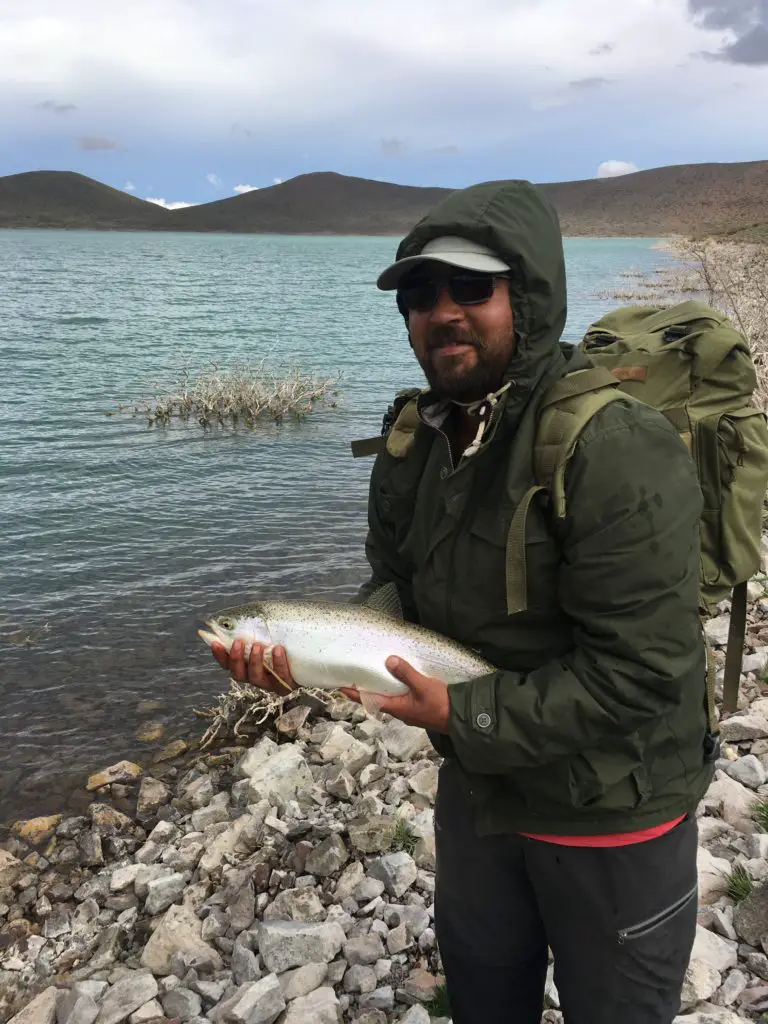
{"x":119,"y":536}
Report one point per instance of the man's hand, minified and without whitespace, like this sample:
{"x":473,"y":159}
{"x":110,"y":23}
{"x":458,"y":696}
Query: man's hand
{"x":425,"y":705}
{"x":255,"y":672}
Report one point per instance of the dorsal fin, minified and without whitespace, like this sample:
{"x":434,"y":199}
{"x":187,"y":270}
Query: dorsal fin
{"x":386,"y":600}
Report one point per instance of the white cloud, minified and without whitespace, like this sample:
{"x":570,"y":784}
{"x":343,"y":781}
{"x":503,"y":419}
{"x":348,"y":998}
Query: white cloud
{"x":615,"y":168}
{"x":214,"y":73}
{"x":169,"y":206}
{"x":129,"y":186}
{"x":213,"y":179}
{"x":245,"y":188}
{"x":278,"y":181}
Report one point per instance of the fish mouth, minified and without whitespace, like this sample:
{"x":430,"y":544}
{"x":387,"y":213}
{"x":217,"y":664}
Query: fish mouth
{"x":215,"y":635}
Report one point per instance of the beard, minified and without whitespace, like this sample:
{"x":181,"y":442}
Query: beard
{"x":467,"y":376}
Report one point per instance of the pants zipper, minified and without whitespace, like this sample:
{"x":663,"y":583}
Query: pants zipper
{"x":638,"y":930}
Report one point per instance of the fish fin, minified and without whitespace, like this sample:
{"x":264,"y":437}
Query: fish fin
{"x":372,"y":702}
{"x":387,"y":601}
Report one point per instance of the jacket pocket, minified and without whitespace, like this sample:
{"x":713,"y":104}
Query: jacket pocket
{"x":487,"y":551}
{"x":651,"y":924}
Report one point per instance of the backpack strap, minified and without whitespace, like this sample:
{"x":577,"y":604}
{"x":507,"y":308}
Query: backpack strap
{"x":564,"y":412}
{"x":737,"y":631}
{"x":398,"y":428}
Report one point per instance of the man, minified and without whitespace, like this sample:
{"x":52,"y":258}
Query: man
{"x":565,"y":814}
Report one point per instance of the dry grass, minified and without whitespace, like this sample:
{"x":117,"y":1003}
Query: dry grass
{"x":242,"y":710}
{"x":731,"y":276}
{"x":240,"y":396}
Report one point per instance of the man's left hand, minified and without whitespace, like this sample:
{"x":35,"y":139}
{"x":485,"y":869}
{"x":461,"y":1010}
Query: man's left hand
{"x":425,"y":705}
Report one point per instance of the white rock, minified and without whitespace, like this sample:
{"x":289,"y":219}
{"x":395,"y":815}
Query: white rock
{"x":748,"y":770}
{"x":245,"y":965}
{"x":416,"y":1015}
{"x":124,"y":878}
{"x":177,"y":932}
{"x":403,"y":742}
{"x":396,"y":870}
{"x":10,"y":869}
{"x":77,"y":1009}
{"x":707,"y":1013}
{"x":257,"y":1002}
{"x":256,"y":757}
{"x":713,"y":876}
{"x":302,"y":980}
{"x":285,"y":774}
{"x":126,"y":996}
{"x":319,"y":1007}
{"x":42,"y":1009}
{"x":424,"y":783}
{"x":717,"y":629}
{"x":720,"y":953}
{"x":756,"y":662}
{"x":224,"y":844}
{"x":149,"y":1011}
{"x":286,"y":944}
{"x":350,"y":879}
{"x":732,"y":988}
{"x":733,"y":801}
{"x":343,"y":749}
{"x":757,"y":845}
{"x":750,"y":726}
{"x":701,"y":982}
{"x":181,"y":1003}
{"x":162,"y":892}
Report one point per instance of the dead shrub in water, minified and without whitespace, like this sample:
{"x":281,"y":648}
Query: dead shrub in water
{"x":242,"y":395}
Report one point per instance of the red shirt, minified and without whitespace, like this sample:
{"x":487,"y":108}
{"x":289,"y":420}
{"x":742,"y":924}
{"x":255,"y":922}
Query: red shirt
{"x":619,"y":839}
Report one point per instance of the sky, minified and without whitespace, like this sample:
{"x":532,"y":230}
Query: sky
{"x":185,"y":101}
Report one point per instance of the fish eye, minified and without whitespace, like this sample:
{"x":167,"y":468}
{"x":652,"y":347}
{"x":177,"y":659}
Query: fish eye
{"x":227,"y":623}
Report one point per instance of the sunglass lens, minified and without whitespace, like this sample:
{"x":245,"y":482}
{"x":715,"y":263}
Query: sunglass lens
{"x":419,"y":295}
{"x":469,"y":289}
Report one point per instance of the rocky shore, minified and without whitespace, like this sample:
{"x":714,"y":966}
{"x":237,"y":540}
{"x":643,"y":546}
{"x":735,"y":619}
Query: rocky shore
{"x":291,"y":879}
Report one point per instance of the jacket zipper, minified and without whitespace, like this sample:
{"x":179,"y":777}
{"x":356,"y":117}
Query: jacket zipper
{"x":644,"y":927}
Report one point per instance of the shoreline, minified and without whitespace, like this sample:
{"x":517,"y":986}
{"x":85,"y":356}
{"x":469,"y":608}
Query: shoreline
{"x":290,"y":873}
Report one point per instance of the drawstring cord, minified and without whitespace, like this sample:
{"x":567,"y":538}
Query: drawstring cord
{"x":483,"y":410}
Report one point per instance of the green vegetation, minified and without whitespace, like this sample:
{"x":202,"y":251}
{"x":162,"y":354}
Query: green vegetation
{"x":760,"y":815}
{"x":403,"y":837}
{"x":438,"y":1005}
{"x":240,"y":396}
{"x":740,"y":885}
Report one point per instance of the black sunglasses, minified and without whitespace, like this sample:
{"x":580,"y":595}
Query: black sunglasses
{"x":420,"y":294}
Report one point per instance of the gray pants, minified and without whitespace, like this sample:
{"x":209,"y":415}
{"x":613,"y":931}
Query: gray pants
{"x":620,"y":921}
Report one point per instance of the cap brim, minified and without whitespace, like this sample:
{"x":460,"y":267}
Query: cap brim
{"x":390,"y":278}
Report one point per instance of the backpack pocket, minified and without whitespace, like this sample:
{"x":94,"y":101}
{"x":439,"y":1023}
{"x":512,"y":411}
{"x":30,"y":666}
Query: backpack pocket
{"x":731,"y":450}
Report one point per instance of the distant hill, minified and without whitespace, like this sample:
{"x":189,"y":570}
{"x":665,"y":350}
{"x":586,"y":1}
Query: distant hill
{"x":689,"y":198}
{"x":708,"y":198}
{"x":315,"y":204}
{"x":64,"y":199}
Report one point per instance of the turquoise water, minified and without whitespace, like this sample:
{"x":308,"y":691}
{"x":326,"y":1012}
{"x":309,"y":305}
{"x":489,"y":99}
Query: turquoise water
{"x":119,"y":536}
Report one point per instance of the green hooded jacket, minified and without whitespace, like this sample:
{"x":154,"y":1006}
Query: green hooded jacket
{"x":595,"y":721}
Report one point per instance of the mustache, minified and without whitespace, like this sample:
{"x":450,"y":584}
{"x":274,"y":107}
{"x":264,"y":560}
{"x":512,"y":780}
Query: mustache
{"x":447,"y":335}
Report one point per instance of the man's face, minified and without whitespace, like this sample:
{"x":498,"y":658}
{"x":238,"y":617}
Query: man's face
{"x":462,"y":346}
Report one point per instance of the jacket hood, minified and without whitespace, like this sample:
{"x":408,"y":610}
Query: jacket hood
{"x":516,"y":221}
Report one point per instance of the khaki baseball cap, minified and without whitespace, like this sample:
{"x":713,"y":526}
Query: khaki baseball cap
{"x":450,"y":249}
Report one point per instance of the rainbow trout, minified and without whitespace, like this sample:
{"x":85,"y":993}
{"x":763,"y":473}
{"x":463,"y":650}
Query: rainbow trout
{"x":330,"y":644}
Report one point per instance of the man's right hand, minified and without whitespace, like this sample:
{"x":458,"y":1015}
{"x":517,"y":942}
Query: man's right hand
{"x":253,"y":671}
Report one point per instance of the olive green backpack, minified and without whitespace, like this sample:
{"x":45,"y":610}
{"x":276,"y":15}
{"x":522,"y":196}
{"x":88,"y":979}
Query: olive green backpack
{"x":691,"y":363}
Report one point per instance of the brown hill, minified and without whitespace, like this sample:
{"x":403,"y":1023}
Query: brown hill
{"x":701,"y":198}
{"x":314,"y":204}
{"x":64,"y":199}
{"x":689,"y":198}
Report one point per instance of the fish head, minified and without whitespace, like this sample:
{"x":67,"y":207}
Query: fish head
{"x":245,"y":622}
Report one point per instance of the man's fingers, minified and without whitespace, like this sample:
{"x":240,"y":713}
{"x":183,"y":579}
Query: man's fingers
{"x":350,"y":694}
{"x":221,"y":654}
{"x":281,"y":668}
{"x":405,"y":673}
{"x":257,"y":674}
{"x":237,"y":661}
